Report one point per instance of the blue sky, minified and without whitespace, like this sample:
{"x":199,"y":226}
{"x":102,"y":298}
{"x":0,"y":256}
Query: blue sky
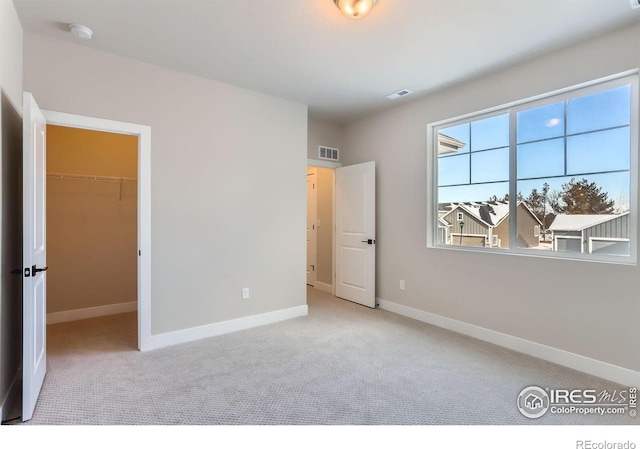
{"x":587,"y":137}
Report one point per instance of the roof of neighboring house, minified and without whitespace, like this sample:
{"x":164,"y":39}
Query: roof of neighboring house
{"x":448,"y":144}
{"x":567,"y":222}
{"x":443,"y":222}
{"x":490,"y":213}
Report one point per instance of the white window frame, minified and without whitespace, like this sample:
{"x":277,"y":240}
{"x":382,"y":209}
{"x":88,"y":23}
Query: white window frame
{"x":625,"y":78}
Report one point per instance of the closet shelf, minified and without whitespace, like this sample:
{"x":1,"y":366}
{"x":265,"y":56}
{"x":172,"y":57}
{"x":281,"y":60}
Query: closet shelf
{"x":75,"y":177}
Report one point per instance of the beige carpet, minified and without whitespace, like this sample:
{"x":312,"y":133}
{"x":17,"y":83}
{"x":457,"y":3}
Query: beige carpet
{"x":343,"y":364}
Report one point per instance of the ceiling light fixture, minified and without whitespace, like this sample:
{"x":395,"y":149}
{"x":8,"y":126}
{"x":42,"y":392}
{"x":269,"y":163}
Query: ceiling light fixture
{"x":80,"y":31}
{"x":355,"y":9}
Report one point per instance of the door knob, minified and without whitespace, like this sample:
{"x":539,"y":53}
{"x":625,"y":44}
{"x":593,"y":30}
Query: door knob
{"x":369,"y":241}
{"x":35,"y":270}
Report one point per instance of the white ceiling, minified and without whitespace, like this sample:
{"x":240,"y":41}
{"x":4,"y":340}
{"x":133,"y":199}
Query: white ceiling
{"x":305,"y":50}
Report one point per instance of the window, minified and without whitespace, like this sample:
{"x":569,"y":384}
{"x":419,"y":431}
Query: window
{"x":553,"y":176}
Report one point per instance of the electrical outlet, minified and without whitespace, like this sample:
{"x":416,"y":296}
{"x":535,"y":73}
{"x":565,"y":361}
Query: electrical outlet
{"x":401,"y":284}
{"x":635,"y":4}
{"x":245,"y":293}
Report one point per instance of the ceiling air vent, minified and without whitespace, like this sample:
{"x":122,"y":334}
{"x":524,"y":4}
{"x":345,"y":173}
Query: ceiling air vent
{"x":400,"y":93}
{"x":329,"y":154}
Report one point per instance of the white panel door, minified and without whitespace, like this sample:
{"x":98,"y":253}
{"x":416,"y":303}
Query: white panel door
{"x":356,"y":233}
{"x":312,"y":228}
{"x":34,"y":281}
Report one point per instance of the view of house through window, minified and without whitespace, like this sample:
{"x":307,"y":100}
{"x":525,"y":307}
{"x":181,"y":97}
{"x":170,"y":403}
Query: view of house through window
{"x":571,"y":175}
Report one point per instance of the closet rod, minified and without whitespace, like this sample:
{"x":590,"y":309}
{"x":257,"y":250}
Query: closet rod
{"x":89,"y":177}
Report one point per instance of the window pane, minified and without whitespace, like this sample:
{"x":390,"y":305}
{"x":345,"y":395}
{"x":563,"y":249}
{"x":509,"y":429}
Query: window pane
{"x":541,"y":123}
{"x":490,"y":166}
{"x":609,"y":186}
{"x":482,"y":224}
{"x":573,"y":180}
{"x":490,"y":133}
{"x":599,"y":151}
{"x":453,"y":170}
{"x":453,"y":140}
{"x":599,"y":111}
{"x":539,"y":159}
{"x":566,"y":207}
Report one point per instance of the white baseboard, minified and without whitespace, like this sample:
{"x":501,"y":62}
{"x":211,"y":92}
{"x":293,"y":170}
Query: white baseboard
{"x":223,"y":327}
{"x":91,"y":312}
{"x":324,"y":287}
{"x":578,"y":362}
{"x":14,"y":389}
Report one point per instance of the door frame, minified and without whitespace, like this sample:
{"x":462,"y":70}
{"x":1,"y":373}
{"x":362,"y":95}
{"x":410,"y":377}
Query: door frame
{"x":331,"y":165}
{"x":143,"y":132}
{"x":312,"y":199}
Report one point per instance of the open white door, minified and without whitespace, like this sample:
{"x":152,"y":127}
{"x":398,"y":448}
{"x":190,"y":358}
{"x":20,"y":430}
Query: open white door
{"x":356,"y":233}
{"x":312,"y":232}
{"x":34,"y":282}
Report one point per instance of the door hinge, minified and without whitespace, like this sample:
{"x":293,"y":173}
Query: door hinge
{"x":139,"y":253}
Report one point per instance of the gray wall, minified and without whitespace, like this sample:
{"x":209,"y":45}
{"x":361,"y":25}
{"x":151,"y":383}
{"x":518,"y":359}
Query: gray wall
{"x":325,"y":134}
{"x":225,"y":212}
{"x":11,"y":203}
{"x":594,"y":319}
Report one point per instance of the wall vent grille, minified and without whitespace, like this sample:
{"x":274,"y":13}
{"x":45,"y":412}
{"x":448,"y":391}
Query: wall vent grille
{"x":399,"y":94}
{"x":328,"y":153}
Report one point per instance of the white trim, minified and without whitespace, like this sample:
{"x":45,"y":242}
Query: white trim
{"x":223,"y":327}
{"x":323,"y":164}
{"x":571,"y":360}
{"x":333,"y":235}
{"x":322,"y":286}
{"x":565,"y":237}
{"x":144,"y":202}
{"x":604,"y":239}
{"x":91,"y":312}
{"x":469,"y":235}
{"x":13,"y":391}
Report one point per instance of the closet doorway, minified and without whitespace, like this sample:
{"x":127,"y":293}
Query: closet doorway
{"x":140,"y":190}
{"x":92,"y":223}
{"x":321,"y":224}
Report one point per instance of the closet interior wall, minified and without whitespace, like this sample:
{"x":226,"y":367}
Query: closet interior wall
{"x":91,"y":219}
